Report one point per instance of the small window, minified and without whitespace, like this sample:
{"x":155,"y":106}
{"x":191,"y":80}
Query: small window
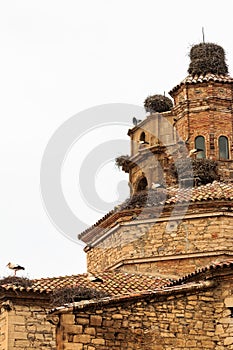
{"x":142,"y":184}
{"x":200,"y":144}
{"x":143,"y":136}
{"x":223,"y":147}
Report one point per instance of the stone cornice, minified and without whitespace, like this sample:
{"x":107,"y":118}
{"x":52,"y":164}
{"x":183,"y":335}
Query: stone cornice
{"x":169,"y":258}
{"x":108,"y":231}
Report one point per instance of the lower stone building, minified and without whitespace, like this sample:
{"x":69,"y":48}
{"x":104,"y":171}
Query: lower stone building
{"x":24,"y":304}
{"x":195,"y":312}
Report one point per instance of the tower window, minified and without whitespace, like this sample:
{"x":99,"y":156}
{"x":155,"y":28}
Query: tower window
{"x":142,"y":184}
{"x":223,"y":147}
{"x":143,"y":136}
{"x":200,"y":143}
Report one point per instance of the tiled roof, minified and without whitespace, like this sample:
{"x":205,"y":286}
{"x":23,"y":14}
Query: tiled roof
{"x":202,"y":79}
{"x":153,"y":198}
{"x":113,"y":283}
{"x":192,"y":287}
{"x":195,"y":281}
{"x":218,"y":265}
{"x":209,"y":192}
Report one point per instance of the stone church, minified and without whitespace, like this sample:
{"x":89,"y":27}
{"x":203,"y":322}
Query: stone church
{"x":162,"y":259}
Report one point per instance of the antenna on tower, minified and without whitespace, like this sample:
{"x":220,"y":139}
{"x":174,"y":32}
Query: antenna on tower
{"x":203,"y":35}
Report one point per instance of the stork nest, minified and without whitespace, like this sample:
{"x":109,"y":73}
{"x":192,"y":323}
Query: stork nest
{"x":158,"y":103}
{"x":146,"y":198}
{"x":207,"y":58}
{"x":124,"y":162}
{"x":205,"y":170}
{"x":16,"y":281}
{"x":74,"y":294}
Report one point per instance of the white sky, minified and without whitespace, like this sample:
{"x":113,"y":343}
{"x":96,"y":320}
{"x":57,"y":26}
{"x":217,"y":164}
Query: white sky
{"x":61,"y":57}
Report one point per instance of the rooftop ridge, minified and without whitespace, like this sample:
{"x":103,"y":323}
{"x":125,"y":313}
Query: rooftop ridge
{"x":202,"y":78}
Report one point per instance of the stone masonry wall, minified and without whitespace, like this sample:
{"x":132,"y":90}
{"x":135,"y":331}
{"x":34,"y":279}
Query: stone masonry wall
{"x":3,"y":329}
{"x":25,"y":327}
{"x":169,"y":268}
{"x":142,"y":240}
{"x":198,"y":320}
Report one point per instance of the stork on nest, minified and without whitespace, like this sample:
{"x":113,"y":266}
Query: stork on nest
{"x":15,"y":267}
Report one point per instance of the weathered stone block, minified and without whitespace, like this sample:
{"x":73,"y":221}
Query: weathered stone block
{"x":82,"y":338}
{"x":98,"y":341}
{"x":95,"y":320}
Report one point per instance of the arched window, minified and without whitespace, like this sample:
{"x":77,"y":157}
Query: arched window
{"x":200,"y":144}
{"x":142,"y":184}
{"x":223,"y":147}
{"x":143,"y":136}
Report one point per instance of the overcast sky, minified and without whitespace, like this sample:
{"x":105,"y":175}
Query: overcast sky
{"x":59,"y":58}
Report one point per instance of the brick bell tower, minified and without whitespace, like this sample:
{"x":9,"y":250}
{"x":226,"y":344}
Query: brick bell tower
{"x":203,"y":107}
{"x":201,"y":118}
{"x":147,"y":233}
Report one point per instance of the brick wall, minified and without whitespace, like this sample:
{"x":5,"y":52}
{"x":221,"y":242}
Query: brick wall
{"x":204,"y":109}
{"x":193,"y":239}
{"x":25,"y":327}
{"x":194,"y":320}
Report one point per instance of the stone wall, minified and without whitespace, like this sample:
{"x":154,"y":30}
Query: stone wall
{"x":150,"y":159}
{"x":191,"y":320}
{"x":3,"y":329}
{"x":198,"y":240}
{"x":157,"y":129}
{"x":25,"y":327}
{"x":168,"y":268}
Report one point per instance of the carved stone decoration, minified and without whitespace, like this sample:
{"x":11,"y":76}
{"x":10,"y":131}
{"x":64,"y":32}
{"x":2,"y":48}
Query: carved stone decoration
{"x":7,"y":305}
{"x":53,"y":319}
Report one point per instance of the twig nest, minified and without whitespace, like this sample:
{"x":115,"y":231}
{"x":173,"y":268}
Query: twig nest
{"x":158,"y":103}
{"x":207,"y":58}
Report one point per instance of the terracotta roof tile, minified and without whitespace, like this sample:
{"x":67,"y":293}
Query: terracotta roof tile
{"x":212,"y":191}
{"x":153,"y":198}
{"x":113,"y":283}
{"x":202,"y":79}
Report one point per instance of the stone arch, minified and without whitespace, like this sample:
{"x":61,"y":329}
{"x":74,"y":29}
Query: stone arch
{"x":142,"y":136}
{"x":141,"y":184}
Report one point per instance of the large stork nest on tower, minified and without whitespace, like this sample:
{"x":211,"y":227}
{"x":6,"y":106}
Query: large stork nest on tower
{"x":207,"y":58}
{"x":158,"y":103}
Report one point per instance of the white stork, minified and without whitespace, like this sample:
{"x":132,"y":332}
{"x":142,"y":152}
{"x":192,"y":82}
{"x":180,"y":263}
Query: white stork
{"x":194,"y":152}
{"x":15,"y":267}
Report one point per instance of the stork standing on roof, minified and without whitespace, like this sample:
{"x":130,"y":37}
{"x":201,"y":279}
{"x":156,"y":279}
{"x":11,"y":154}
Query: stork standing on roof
{"x":15,"y":267}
